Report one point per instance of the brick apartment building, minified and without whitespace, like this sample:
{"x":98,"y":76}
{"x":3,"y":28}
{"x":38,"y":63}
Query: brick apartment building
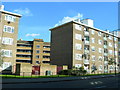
{"x":8,"y":40}
{"x":79,"y":43}
{"x":33,"y":58}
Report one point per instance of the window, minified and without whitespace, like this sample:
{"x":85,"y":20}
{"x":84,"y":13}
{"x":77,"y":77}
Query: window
{"x":7,"y":53}
{"x":99,"y":33}
{"x":116,"y":52}
{"x":100,"y":50}
{"x":115,"y":45}
{"x":110,"y":44}
{"x":10,"y":18}
{"x":110,"y":37}
{"x":78,"y":65}
{"x":78,"y":27}
{"x":111,"y":67}
{"x":92,"y":32}
{"x":78,"y":36}
{"x":115,"y":38}
{"x":93,"y":48}
{"x":8,"y":29}
{"x":100,"y":42}
{"x":6,"y":66}
{"x":8,"y":41}
{"x":37,"y":51}
{"x":37,"y":56}
{"x":100,"y":58}
{"x":110,"y":52}
{"x":37,"y":46}
{"x":78,"y":46}
{"x":93,"y":58}
{"x":37,"y":62}
{"x":100,"y":67}
{"x":93,"y":40}
{"x":78,"y":56}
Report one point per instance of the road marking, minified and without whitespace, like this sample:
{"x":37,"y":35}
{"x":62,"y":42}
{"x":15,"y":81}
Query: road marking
{"x":101,"y":87}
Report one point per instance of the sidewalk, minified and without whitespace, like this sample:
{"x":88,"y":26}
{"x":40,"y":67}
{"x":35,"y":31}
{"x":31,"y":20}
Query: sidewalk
{"x":45,"y":80}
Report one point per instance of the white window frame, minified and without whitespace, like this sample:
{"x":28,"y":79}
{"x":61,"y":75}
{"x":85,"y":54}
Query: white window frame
{"x":100,"y":58}
{"x":100,"y":42}
{"x":78,"y":46}
{"x":93,"y":57}
{"x":8,"y":29}
{"x":93,"y":48}
{"x":78,"y":56}
{"x":110,"y":44}
{"x":93,"y":40}
{"x":110,"y":52}
{"x":99,"y":33}
{"x":100,"y":68}
{"x":78,"y":27}
{"x":8,"y":41}
{"x":78,"y":36}
{"x":10,"y":18}
{"x":92,"y":32}
{"x":78,"y":65}
{"x":9,"y":52}
{"x":100,"y":50}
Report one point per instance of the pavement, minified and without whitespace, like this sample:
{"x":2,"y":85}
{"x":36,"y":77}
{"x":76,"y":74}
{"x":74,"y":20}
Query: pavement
{"x":45,"y":80}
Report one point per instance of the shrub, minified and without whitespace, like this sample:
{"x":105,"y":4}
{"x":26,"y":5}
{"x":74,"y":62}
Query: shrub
{"x":65,"y":72}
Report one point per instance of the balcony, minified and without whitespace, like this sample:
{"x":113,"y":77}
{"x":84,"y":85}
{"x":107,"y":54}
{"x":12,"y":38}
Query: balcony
{"x":86,"y":51}
{"x":25,"y":48}
{"x":105,"y":38}
{"x":23,"y":58}
{"x":86,"y":61}
{"x":105,"y":54}
{"x":86,"y":33}
{"x":106,"y":63}
{"x":105,"y":46}
{"x":24,"y":53}
{"x":87,"y":42}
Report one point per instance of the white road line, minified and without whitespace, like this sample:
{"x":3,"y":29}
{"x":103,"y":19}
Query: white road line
{"x":101,"y":87}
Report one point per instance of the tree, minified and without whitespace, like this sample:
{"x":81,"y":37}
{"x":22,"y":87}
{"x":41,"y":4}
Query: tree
{"x":111,"y":62}
{"x":94,"y":68}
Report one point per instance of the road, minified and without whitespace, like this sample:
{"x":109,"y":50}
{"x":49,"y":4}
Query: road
{"x":107,"y":82}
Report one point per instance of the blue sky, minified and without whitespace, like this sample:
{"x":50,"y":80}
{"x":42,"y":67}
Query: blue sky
{"x":38,"y":17}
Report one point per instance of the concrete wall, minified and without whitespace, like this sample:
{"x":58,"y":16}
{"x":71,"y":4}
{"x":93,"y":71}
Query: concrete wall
{"x":61,"y":45}
{"x":25,"y":69}
{"x":47,"y":67}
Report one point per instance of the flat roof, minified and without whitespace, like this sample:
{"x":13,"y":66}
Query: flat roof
{"x":7,"y":12}
{"x":85,"y":26}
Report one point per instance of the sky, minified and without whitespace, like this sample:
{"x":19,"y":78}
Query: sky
{"x":39,"y":17}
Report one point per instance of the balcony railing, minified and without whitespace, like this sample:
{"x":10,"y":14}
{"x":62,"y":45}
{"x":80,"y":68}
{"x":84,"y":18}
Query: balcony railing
{"x":105,"y":46}
{"x":105,"y":54}
{"x":86,"y":51}
{"x":87,"y":42}
{"x":105,"y":38}
{"x":86,"y":61}
{"x":86,"y":33}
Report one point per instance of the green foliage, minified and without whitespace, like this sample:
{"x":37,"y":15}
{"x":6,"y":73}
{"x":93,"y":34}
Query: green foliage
{"x":74,"y":71}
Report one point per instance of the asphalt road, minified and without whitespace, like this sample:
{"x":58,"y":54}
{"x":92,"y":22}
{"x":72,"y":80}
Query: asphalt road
{"x":108,"y":82}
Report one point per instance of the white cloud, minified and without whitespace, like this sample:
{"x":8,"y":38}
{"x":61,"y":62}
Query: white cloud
{"x":68,"y":19}
{"x":32,"y":35}
{"x":25,"y":12}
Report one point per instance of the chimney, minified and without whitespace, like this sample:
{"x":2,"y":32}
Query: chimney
{"x":88,"y":22}
{"x":2,"y":7}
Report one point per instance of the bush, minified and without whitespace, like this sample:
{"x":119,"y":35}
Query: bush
{"x":65,"y":72}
